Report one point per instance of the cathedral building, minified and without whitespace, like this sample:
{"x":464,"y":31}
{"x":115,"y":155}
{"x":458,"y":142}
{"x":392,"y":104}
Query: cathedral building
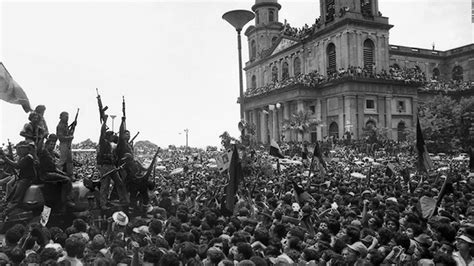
{"x":341,"y":72}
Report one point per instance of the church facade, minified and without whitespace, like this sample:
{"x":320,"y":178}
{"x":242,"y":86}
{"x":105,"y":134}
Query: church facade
{"x":338,"y":72}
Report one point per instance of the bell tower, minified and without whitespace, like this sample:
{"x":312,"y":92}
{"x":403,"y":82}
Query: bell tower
{"x":331,"y":9}
{"x":264,"y":34}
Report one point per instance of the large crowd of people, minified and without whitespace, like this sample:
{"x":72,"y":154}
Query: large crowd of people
{"x":362,"y":204}
{"x":314,"y":78}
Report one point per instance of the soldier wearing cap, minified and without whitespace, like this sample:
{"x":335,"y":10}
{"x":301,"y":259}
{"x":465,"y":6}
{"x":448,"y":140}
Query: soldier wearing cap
{"x":26,"y":164}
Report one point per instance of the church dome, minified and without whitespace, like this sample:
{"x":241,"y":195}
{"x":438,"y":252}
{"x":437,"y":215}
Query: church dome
{"x":260,"y":3}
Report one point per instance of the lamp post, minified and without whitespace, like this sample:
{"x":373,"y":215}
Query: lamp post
{"x":238,"y":19}
{"x":186,"y":131}
{"x":113,"y":119}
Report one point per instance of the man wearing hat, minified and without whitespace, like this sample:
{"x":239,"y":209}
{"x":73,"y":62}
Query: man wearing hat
{"x":464,"y":245}
{"x":27,"y":173}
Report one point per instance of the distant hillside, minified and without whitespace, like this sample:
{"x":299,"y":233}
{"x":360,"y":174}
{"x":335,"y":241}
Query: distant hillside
{"x":86,"y":144}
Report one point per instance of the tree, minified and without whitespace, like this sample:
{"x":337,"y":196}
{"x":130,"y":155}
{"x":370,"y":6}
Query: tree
{"x":447,"y":123}
{"x":300,"y":123}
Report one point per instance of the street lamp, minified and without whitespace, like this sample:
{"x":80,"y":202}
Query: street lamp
{"x":238,"y":19}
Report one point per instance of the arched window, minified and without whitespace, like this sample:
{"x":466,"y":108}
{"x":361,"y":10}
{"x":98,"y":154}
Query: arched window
{"x":253,"y":49}
{"x":254,"y":82}
{"x":297,"y":66}
{"x":370,"y":124}
{"x":366,"y":8}
{"x":368,"y":54}
{"x":334,"y":130}
{"x":401,"y":131}
{"x":331,"y":57}
{"x":274,"y":74}
{"x":257,"y":17}
{"x":435,"y":73}
{"x":330,"y":10}
{"x":271,"y":15}
{"x":285,"y":73}
{"x":274,"y":40}
{"x":458,"y":73}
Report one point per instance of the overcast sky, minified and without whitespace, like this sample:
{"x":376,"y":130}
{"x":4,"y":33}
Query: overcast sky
{"x":174,"y":61}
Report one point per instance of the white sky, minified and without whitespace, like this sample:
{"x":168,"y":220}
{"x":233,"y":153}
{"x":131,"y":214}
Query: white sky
{"x":175,"y":62}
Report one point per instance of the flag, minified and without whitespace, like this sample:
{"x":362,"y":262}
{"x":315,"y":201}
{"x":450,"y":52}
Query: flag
{"x":390,"y":170}
{"x":223,"y":160}
{"x":302,"y":195}
{"x":11,"y":92}
{"x":424,"y":160}
{"x":317,"y":153}
{"x":235,"y":177}
{"x":275,"y":150}
{"x":428,"y":205}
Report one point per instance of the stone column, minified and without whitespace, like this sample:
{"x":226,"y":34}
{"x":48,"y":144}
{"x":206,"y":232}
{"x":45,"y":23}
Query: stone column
{"x":263,"y":127}
{"x":341,"y":122}
{"x":299,"y":108}
{"x":350,"y":111}
{"x":360,"y":115}
{"x":319,"y":129}
{"x":324,"y":118}
{"x":254,"y":121}
{"x":388,"y":113}
{"x":275,"y":124}
{"x":286,"y":116}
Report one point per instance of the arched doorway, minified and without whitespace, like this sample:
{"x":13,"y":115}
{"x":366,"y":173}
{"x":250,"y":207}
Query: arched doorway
{"x":401,"y":131}
{"x":334,"y":130}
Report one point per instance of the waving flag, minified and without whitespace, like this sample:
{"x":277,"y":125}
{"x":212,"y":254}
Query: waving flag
{"x":235,"y":177}
{"x":424,"y":160}
{"x":275,"y":150}
{"x":11,"y":92}
{"x":317,"y":153}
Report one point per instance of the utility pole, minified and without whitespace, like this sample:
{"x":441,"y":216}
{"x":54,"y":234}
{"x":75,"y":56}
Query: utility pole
{"x":186,"y":131}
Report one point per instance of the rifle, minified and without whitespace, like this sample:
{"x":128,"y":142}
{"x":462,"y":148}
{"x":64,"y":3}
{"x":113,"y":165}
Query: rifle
{"x":10,"y":150}
{"x":123,"y":106}
{"x":134,"y":137}
{"x":152,"y":164}
{"x":72,"y":126}
{"x":102,"y":109}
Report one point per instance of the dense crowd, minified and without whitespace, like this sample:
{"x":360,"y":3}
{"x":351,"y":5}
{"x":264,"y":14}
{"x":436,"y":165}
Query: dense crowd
{"x":447,"y":86}
{"x":353,"y":212}
{"x":313,"y":79}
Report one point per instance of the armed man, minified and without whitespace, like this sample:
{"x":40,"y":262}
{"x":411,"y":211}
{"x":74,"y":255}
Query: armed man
{"x":65,"y":137}
{"x":49,"y":173}
{"x":107,"y":169}
{"x":26,"y":152}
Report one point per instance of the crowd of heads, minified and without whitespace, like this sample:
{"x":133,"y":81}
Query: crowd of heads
{"x":315,"y":79}
{"x":354,"y":211}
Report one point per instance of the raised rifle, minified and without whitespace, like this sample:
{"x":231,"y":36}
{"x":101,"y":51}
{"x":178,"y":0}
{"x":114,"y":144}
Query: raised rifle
{"x":152,"y":165}
{"x":72,"y":126}
{"x":134,"y":137}
{"x":102,"y":109}
{"x":123,"y":106}
{"x":10,"y":150}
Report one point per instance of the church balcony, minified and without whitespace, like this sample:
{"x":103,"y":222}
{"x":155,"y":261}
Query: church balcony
{"x":314,"y":81}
